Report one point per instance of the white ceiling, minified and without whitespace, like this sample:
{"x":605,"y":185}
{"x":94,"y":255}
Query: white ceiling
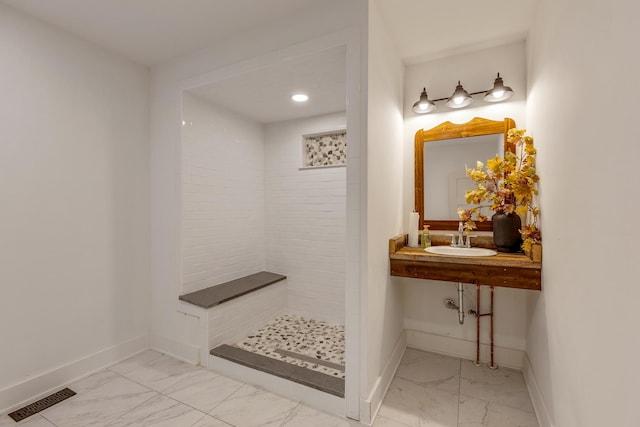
{"x":429,"y":29}
{"x":264,"y":95}
{"x":151,"y":32}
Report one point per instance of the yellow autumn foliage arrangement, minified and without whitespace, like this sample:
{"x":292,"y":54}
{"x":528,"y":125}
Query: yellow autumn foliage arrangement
{"x":507,"y":186}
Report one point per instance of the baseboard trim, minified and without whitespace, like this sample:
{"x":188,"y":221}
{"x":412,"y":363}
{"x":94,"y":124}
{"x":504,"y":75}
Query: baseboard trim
{"x":41,"y":385}
{"x":537,"y":398}
{"x":503,"y":356}
{"x":185,"y":352}
{"x":369,"y":408}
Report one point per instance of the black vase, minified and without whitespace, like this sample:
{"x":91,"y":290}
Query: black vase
{"x":506,"y":232}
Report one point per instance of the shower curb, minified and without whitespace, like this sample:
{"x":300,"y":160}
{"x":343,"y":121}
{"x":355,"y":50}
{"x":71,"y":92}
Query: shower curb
{"x":307,"y":377}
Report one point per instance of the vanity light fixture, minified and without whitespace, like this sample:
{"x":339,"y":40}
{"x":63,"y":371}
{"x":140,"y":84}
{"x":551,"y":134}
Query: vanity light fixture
{"x":461,"y":98}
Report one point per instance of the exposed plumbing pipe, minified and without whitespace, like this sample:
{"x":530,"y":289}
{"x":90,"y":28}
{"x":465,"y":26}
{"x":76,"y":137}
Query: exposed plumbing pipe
{"x":460,"y":307}
{"x":493,"y":365}
{"x":460,"y":304}
{"x":478,"y":315}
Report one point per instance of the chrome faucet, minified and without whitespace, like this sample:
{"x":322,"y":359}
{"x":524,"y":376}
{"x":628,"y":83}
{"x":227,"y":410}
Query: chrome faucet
{"x":461,"y":241}
{"x":468,"y":241}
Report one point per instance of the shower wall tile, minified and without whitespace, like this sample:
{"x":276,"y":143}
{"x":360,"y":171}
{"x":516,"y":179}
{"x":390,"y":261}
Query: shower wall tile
{"x":306,"y":220}
{"x":232,"y":320}
{"x":223,"y":195}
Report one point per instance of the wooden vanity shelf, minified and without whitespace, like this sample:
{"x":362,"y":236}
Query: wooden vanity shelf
{"x":505,"y":269}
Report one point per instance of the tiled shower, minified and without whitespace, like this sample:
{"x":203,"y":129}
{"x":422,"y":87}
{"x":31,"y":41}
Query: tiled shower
{"x":249,"y":204}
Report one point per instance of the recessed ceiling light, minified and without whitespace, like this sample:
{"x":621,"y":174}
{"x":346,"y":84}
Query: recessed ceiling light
{"x":299,"y":97}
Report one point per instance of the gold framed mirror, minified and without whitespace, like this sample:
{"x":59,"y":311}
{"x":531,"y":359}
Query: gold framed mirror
{"x":458,"y":132}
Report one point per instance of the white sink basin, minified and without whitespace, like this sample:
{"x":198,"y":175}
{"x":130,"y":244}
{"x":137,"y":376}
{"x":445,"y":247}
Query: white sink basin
{"x":451,"y":251}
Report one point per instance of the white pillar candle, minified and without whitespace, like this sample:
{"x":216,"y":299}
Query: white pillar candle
{"x":414,"y":217}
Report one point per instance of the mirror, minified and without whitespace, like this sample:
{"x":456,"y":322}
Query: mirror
{"x":445,"y":181}
{"x":441,"y":154}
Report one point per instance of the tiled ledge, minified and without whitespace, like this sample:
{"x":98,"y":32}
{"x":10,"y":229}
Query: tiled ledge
{"x":215,"y":295}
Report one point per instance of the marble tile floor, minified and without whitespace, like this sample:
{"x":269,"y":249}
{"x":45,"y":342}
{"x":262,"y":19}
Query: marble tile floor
{"x":435,"y":390}
{"x":151,"y":389}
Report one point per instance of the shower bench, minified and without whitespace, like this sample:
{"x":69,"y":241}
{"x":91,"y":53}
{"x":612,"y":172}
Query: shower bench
{"x":214,"y":295}
{"x":229,"y":311}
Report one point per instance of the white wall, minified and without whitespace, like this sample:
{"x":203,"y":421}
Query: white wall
{"x":306,"y":220}
{"x":424,"y":311}
{"x":584,"y":338}
{"x":74,"y":216}
{"x":381,"y":302}
{"x":222,"y":195}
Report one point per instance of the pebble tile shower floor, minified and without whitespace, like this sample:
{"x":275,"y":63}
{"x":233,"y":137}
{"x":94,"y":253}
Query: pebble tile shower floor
{"x":309,"y":343}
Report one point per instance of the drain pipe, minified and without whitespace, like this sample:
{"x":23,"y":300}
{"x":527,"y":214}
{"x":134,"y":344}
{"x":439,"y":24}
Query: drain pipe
{"x":460,"y":302}
{"x":450,"y":304}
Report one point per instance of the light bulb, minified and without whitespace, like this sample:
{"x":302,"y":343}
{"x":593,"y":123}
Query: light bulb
{"x":299,"y":97}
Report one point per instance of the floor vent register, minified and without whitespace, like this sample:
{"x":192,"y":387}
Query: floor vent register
{"x":42,"y":404}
